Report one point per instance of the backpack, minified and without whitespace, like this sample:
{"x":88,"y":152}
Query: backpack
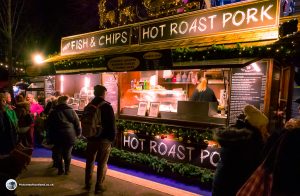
{"x":91,"y":120}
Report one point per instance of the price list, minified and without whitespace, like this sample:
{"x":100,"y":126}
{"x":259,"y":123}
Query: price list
{"x":247,"y":87}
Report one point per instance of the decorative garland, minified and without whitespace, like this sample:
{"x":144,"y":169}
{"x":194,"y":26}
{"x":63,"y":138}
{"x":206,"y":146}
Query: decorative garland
{"x":80,"y":64}
{"x":181,"y":134}
{"x":281,"y":52}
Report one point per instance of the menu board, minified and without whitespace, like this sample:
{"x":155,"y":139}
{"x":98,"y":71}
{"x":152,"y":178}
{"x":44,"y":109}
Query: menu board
{"x":49,"y":86}
{"x":110,"y":81}
{"x":248,"y":86}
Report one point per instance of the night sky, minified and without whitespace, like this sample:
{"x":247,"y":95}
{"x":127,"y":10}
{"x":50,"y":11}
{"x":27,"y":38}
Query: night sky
{"x":54,"y":19}
{"x":43,"y":23}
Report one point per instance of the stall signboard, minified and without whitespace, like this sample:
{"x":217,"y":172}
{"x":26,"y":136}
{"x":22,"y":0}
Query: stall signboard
{"x":95,"y":41}
{"x":221,"y":20}
{"x":248,"y":85}
{"x":253,"y":15}
{"x":172,"y":150}
{"x":140,"y":61}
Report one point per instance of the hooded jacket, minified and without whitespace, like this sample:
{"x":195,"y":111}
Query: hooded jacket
{"x":63,"y":125}
{"x":240,"y":156}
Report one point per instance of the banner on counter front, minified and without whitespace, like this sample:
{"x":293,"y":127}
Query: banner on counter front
{"x":172,"y":150}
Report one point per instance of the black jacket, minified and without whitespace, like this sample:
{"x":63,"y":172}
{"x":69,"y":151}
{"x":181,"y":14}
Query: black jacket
{"x":287,"y":169}
{"x":63,"y":125}
{"x":206,"y":96}
{"x":240,"y":156}
{"x":8,"y":134}
{"x":108,"y":120}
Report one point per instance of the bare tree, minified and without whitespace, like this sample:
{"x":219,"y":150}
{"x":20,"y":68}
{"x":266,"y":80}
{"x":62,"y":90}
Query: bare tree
{"x":10,"y":12}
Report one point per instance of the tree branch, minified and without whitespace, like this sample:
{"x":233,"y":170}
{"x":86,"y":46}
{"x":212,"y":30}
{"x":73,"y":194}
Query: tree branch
{"x":18,"y":17}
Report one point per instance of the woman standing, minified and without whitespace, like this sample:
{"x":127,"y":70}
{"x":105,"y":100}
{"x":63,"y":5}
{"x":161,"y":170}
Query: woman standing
{"x":25,"y":121}
{"x":63,"y":128}
{"x":203,"y":93}
{"x":36,"y":109}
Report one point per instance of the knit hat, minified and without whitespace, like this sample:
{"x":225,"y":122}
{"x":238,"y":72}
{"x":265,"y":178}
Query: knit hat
{"x":255,"y":117}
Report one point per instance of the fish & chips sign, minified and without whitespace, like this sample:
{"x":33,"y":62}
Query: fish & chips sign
{"x":235,"y":18}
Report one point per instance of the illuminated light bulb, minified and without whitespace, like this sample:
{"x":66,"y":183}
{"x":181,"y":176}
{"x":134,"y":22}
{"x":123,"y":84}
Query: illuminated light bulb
{"x":255,"y":67}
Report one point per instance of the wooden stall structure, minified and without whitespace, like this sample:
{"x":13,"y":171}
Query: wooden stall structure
{"x":151,"y":69}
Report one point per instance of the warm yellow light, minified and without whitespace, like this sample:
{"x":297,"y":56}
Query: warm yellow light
{"x":62,"y":79}
{"x":38,"y":59}
{"x":255,"y":67}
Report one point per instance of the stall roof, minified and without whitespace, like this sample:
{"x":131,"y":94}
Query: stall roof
{"x":136,"y":48}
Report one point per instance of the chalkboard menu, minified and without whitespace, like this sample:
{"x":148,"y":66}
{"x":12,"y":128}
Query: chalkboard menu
{"x":110,"y":81}
{"x":248,"y":86}
{"x":49,"y":86}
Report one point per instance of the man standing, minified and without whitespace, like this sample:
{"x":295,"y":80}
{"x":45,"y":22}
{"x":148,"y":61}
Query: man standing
{"x":99,"y":147}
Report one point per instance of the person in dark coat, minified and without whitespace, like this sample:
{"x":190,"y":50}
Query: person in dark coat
{"x":63,"y":126}
{"x":241,"y":152}
{"x":25,"y":121}
{"x":98,"y":148}
{"x":51,"y":103}
{"x":203,"y":93}
{"x":285,"y":142}
{"x":8,"y":134}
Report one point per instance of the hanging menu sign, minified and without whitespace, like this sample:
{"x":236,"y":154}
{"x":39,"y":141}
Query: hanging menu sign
{"x":248,"y":86}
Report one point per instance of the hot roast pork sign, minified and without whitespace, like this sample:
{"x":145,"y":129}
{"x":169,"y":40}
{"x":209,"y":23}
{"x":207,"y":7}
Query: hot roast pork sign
{"x":235,"y":18}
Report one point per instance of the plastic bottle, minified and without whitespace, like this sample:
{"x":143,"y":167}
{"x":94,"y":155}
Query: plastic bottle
{"x":145,"y":85}
{"x":178,"y":77}
{"x":184,"y":77}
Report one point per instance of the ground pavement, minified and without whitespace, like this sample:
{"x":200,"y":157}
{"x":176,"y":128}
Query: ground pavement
{"x":39,"y":173}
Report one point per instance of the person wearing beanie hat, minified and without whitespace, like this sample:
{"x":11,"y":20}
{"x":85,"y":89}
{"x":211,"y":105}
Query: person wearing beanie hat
{"x":241,"y":151}
{"x":257,"y":119}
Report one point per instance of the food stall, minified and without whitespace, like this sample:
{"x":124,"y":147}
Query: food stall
{"x":152,"y":68}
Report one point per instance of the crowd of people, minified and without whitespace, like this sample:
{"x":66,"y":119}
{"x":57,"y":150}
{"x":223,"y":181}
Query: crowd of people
{"x":248,"y":146}
{"x":24,"y":122}
{"x":245,"y":146}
